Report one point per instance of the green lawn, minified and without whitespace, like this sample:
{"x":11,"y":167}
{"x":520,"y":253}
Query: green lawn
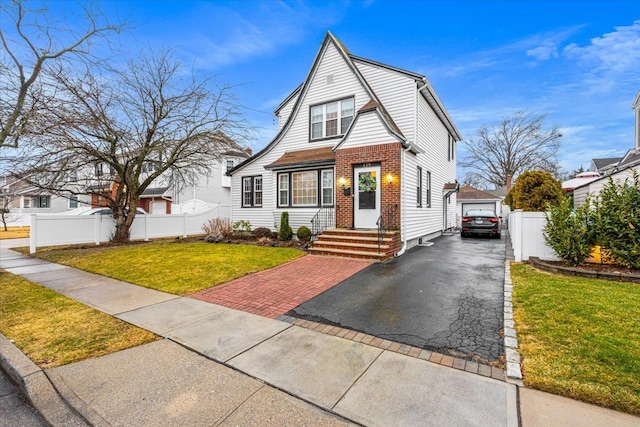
{"x":54,"y":330}
{"x":177,"y":268}
{"x":579,"y":337}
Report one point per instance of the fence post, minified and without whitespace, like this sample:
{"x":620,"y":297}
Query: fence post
{"x":96,"y":228}
{"x":517,"y":233}
{"x":32,"y":233}
{"x":184,"y":225}
{"x":146,"y":227}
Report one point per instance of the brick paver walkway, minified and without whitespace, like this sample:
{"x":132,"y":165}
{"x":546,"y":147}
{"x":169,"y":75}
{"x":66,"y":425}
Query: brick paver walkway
{"x":271,"y":293}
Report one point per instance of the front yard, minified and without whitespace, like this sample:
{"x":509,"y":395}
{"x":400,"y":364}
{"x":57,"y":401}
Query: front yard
{"x":177,"y":268}
{"x":579,"y":337}
{"x":54,"y":330}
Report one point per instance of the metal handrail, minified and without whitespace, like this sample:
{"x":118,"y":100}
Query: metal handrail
{"x":323,"y":219}
{"x":385,"y":221}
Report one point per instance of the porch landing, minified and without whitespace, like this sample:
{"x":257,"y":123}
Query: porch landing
{"x":358,"y":244}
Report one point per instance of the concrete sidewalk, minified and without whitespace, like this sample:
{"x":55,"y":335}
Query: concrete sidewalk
{"x":217,"y":375}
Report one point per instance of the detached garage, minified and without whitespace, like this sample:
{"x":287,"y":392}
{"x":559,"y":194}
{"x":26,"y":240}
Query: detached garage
{"x":470,"y":198}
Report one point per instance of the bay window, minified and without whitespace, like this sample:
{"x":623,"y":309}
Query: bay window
{"x":309,"y":188}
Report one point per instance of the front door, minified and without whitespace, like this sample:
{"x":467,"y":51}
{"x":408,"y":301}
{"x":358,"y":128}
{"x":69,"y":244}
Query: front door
{"x":367,"y":196}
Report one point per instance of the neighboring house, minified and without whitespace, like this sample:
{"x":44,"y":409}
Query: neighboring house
{"x":21,"y":198}
{"x":622,"y":170}
{"x":361,"y":145}
{"x":603,"y":166}
{"x":470,"y":198}
{"x":580,"y":180}
{"x":214,"y":189}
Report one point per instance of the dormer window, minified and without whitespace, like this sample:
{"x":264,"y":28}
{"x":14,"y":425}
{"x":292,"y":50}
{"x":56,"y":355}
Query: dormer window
{"x":331,"y":119}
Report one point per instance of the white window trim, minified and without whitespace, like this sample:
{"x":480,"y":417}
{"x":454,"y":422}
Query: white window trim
{"x":339,"y":132}
{"x":281,"y":190}
{"x":322,"y":187}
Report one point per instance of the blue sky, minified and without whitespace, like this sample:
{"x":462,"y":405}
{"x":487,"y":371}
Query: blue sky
{"x":576,"y":61}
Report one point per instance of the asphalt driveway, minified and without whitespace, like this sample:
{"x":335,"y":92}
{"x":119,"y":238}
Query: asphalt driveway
{"x":447,"y":297}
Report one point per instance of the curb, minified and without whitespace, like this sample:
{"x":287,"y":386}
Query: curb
{"x":35,"y":386}
{"x":513,"y":371}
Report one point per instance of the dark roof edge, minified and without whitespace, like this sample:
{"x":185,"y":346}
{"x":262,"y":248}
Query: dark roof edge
{"x":287,"y":99}
{"x":411,"y":74}
{"x":301,"y":164}
{"x":386,"y":125}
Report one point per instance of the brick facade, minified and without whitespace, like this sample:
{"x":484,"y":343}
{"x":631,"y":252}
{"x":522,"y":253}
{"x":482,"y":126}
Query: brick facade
{"x":389,"y":158}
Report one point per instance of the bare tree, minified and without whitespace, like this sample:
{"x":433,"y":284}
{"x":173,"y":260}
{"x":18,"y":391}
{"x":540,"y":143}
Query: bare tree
{"x":30,"y":41}
{"x":116,"y":133}
{"x":521,"y":142}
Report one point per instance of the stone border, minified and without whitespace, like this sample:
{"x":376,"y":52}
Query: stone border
{"x":580,"y":272}
{"x":513,"y":372}
{"x":407,"y":350}
{"x":36,"y":387}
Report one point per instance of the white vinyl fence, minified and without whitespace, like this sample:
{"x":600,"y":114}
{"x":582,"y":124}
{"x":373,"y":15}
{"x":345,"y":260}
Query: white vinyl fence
{"x":54,"y":230}
{"x":527,"y":240}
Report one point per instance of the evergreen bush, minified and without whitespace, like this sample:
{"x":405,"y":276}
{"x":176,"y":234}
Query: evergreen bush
{"x":303,"y":233}
{"x":285,"y":233}
{"x":570,"y":232}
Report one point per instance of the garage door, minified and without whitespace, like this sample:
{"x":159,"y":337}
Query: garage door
{"x":476,"y":206}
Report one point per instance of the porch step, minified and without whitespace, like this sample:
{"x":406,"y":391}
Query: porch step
{"x":343,"y":253}
{"x":361,"y":244}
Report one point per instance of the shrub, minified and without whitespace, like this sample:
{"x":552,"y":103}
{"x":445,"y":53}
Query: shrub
{"x":570,"y":232}
{"x":242,"y":226}
{"x":535,"y":191}
{"x":221,"y":226}
{"x":261,"y":232}
{"x":303,"y":233}
{"x":285,"y":233}
{"x":617,"y":221}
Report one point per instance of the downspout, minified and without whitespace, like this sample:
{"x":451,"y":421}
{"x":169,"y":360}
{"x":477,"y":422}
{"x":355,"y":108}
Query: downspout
{"x":403,"y":249}
{"x":403,"y":229}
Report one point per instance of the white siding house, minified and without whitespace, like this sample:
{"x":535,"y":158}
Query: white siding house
{"x":360,"y":141}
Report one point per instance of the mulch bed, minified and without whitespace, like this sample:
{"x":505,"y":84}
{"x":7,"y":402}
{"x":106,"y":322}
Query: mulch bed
{"x":597,"y":271}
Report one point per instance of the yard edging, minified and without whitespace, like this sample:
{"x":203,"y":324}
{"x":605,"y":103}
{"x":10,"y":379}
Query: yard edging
{"x":577,"y":271}
{"x":513,"y":371}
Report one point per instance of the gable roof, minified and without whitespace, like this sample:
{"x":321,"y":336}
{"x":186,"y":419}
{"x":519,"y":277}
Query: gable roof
{"x":636,"y":102}
{"x":425,"y":90}
{"x":601,"y":163}
{"x":630,"y":159}
{"x":469,"y":193}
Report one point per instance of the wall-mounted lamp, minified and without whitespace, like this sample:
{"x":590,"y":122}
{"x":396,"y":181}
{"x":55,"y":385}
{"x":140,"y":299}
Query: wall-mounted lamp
{"x":389,"y":178}
{"x":343,"y":184}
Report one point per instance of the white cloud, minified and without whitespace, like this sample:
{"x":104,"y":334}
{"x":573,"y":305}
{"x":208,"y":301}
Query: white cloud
{"x":615,"y":52}
{"x":255,"y":29}
{"x":543,"y":53}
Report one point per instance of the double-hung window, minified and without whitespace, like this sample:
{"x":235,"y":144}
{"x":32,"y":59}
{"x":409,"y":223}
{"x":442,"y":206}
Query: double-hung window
{"x":252,"y":191}
{"x":327,"y":187}
{"x":283,"y":189}
{"x":73,"y":202}
{"x":331,"y":119}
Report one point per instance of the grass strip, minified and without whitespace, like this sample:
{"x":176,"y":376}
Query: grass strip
{"x":579,"y":337}
{"x":14,"y":232}
{"x":53,"y":330}
{"x":176,"y":268}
